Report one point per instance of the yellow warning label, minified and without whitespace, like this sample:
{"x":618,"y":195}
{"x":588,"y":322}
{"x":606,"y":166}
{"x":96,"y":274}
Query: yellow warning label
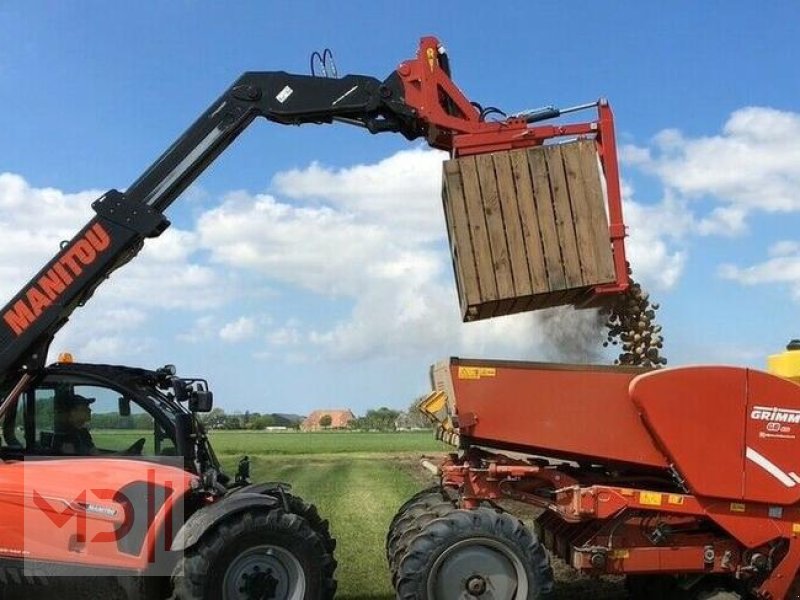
{"x":620,"y":554}
{"x":795,"y":527}
{"x":737,"y":507}
{"x":650,"y":498}
{"x":476,"y":372}
{"x":675,"y":499}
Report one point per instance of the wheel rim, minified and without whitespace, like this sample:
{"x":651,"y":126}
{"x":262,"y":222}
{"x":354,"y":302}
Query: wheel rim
{"x":265,"y":573}
{"x":478,"y":568}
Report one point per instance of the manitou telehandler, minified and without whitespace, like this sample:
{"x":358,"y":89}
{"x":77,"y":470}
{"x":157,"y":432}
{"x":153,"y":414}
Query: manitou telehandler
{"x":158,"y":515}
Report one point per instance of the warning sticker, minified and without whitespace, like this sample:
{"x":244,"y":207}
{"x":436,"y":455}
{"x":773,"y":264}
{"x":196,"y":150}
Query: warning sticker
{"x":675,"y":499}
{"x":737,"y":507}
{"x":650,"y":498}
{"x":476,"y":372}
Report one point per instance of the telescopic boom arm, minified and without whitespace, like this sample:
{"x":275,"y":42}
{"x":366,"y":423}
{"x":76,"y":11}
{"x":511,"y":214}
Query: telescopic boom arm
{"x":418,"y":99}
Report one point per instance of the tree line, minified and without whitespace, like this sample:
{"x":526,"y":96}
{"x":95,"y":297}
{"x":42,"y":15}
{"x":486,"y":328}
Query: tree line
{"x":378,"y":419}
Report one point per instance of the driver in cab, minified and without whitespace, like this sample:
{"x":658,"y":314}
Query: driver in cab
{"x":74,"y":436}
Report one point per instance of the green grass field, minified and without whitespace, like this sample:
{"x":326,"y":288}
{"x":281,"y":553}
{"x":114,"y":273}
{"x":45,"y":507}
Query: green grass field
{"x":357,"y":480}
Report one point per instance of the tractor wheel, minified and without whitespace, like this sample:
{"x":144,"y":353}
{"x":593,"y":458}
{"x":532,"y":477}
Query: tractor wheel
{"x":255,"y":555}
{"x":431,"y":494}
{"x":425,"y":498}
{"x":310,"y":513}
{"x":295,"y":504}
{"x":469,"y":553}
{"x":404,"y":535}
{"x":439,"y":507}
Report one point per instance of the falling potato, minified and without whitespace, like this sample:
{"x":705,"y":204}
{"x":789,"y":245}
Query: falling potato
{"x":632,"y":324}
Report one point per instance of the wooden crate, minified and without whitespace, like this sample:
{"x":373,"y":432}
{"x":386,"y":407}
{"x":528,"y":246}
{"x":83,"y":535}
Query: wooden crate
{"x":527,"y":228}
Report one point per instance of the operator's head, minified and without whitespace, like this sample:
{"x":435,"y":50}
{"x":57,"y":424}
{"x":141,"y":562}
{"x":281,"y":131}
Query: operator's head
{"x":79,"y":410}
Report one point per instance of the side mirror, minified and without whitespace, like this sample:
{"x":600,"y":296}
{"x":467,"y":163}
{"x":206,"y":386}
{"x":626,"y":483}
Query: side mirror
{"x":201,"y":401}
{"x":180,"y":388}
{"x":124,"y":407}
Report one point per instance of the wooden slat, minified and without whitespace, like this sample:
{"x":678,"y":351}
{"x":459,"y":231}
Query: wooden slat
{"x":563,"y":214}
{"x":529,"y":220}
{"x":599,"y":220}
{"x":554,"y":266}
{"x":518,"y":254}
{"x":479,"y":236}
{"x":495,"y":227}
{"x":581,"y":212}
{"x":517,"y":243}
{"x":469,"y":292}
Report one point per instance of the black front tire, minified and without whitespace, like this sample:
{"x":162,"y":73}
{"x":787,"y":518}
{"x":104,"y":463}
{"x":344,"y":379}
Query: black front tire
{"x":309,"y":512}
{"x":424,"y":498}
{"x":472,"y":550}
{"x":256,"y":554}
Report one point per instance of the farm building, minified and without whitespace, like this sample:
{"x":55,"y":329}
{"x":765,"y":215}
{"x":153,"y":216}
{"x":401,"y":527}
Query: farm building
{"x":318,"y":419}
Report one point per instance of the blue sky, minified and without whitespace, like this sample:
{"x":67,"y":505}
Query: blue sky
{"x":341,"y":294}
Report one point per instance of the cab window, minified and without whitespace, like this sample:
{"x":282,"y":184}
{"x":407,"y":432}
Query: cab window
{"x":80,"y":418}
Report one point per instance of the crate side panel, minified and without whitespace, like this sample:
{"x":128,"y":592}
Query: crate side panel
{"x":479,"y":235}
{"x":563,"y":214}
{"x":495,"y":227}
{"x":543,"y":201}
{"x":466,"y":272}
{"x":590,"y":170}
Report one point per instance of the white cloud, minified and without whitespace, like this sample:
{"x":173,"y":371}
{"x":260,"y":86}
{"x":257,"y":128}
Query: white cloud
{"x":655,"y":246}
{"x":32,"y":223}
{"x":373,"y":235}
{"x":239,"y":330}
{"x":166,"y":275}
{"x":396,"y":191}
{"x":712,"y":184}
{"x":783,"y":267}
{"x":752,"y":165}
{"x":202,"y":329}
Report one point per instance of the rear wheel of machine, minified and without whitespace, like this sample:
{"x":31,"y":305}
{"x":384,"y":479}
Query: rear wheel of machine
{"x":428,"y":496}
{"x":412,"y":513}
{"x":254,"y":556}
{"x":421,"y":517}
{"x":478,"y":553}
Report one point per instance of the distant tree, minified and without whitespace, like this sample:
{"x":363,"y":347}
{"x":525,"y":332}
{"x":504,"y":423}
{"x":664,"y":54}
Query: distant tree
{"x":381,"y":419}
{"x":260,"y":421}
{"x":413,"y":418}
{"x":214,"y":419}
{"x":325,"y":421}
{"x":232,"y":422}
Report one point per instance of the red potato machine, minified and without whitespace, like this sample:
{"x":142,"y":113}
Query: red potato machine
{"x":684,"y":479}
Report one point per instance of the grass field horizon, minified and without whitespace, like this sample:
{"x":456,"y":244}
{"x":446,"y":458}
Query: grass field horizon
{"x":358,"y":480}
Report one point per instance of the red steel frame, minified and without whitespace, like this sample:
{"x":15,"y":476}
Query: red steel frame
{"x":455,"y":126}
{"x":597,"y":528}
